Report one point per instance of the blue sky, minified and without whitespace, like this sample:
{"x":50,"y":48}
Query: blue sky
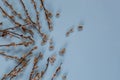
{"x":94,"y":53}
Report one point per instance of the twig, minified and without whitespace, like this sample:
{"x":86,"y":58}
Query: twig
{"x":5,"y":32}
{"x":43,"y":72}
{"x":21,"y":61}
{"x":37,"y":76}
{"x":14,"y":74}
{"x":57,"y":70}
{"x":37,"y":17}
{"x":8,"y":56}
{"x":47,"y":15}
{"x":10,"y":17}
{"x":12,"y":28}
{"x":69,"y":32}
{"x":36,"y":60}
{"x":37,"y":14}
{"x":16,"y":44}
{"x":28,"y":19}
{"x":10,"y":7}
{"x":13,"y":10}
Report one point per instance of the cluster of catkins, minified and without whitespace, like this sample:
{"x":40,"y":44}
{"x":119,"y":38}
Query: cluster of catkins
{"x":24,"y":36}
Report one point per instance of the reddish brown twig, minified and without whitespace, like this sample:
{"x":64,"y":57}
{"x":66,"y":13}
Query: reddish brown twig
{"x":36,"y":60}
{"x":22,"y":60}
{"x":12,"y":28}
{"x":37,"y":76}
{"x":17,"y":44}
{"x":57,"y":71}
{"x":10,"y":17}
{"x":37,"y":14}
{"x":37,"y":18}
{"x":47,"y":15}
{"x":8,"y":56}
{"x":28,"y":19}
{"x":5,"y":32}
{"x":43,"y":72}
{"x":69,"y":32}
{"x":15,"y":73}
{"x":13,"y":10}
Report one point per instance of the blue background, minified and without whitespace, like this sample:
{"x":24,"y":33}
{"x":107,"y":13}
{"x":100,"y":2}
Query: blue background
{"x":94,"y":53}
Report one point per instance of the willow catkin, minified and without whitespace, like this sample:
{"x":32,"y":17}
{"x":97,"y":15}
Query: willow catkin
{"x":30,"y":34}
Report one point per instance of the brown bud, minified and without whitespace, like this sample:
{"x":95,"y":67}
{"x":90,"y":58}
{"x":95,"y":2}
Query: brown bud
{"x":51,"y":47}
{"x":57,"y":14}
{"x":52,"y":59}
{"x":80,"y":28}
{"x":62,"y":51}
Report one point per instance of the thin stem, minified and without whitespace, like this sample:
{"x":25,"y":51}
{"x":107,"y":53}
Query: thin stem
{"x":37,"y":14}
{"x":47,"y":15}
{"x":36,"y":60}
{"x":21,"y":61}
{"x":43,"y":72}
{"x":19,"y":69}
{"x":29,"y":20}
{"x":5,"y":32}
{"x":13,"y":10}
{"x":57,"y":70}
{"x":10,"y":17}
{"x":8,"y":56}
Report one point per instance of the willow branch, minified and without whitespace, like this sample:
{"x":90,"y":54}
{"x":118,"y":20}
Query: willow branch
{"x":5,"y":32}
{"x":47,"y":15}
{"x":19,"y":70}
{"x":57,"y":70}
{"x":10,"y":17}
{"x":29,"y":20}
{"x":22,"y":60}
{"x":36,"y":60}
{"x":37,"y":14}
{"x":8,"y":56}
{"x":13,"y":10}
{"x":43,"y":72}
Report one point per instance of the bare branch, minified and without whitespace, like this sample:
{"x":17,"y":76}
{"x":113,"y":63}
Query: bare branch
{"x":28,"y":19}
{"x":36,"y":60}
{"x":13,"y":10}
{"x":8,"y":56}
{"x":10,"y":17}
{"x":47,"y":15}
{"x":22,"y":61}
{"x":57,"y":70}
